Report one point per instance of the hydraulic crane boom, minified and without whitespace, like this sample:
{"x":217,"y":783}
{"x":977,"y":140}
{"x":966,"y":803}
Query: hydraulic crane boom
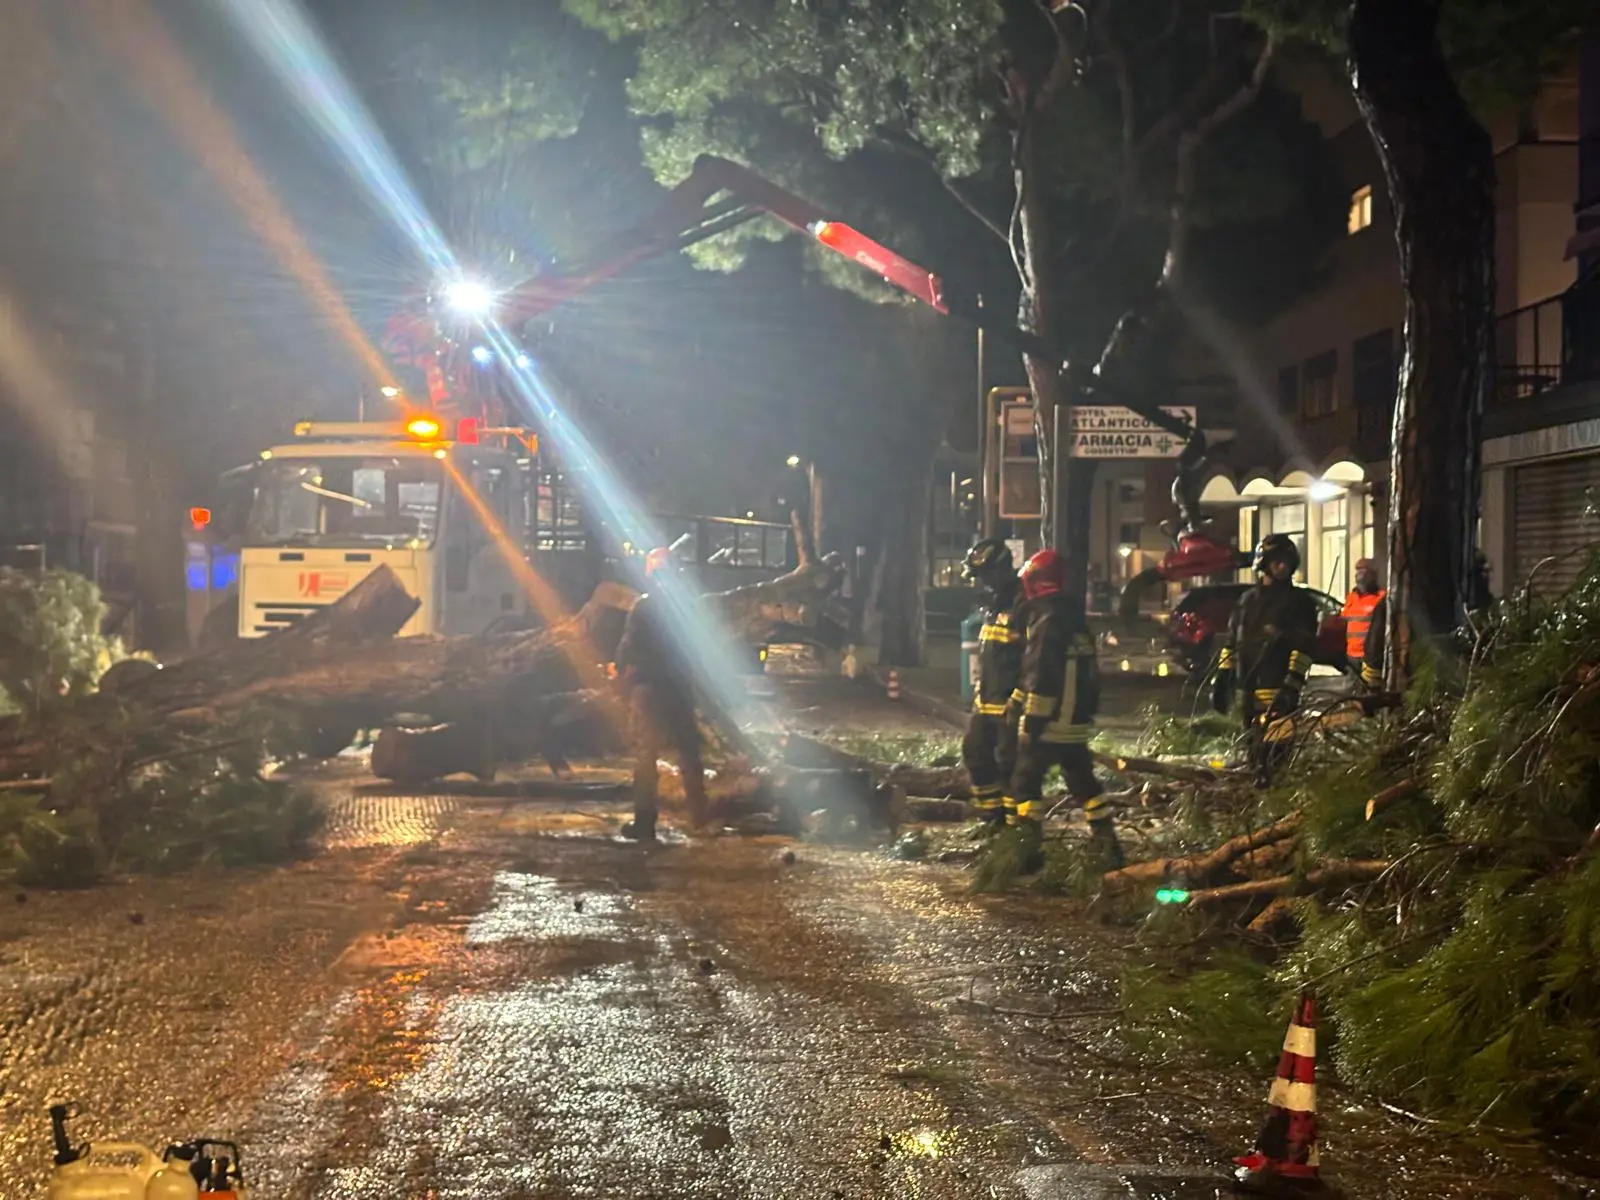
{"x":719,"y":195}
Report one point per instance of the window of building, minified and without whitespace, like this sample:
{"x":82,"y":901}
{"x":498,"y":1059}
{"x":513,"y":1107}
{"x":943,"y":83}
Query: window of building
{"x":1360,"y":209}
{"x":1372,"y":366}
{"x":1335,"y":546}
{"x":1290,"y":519}
{"x":1317,"y":395}
{"x":1128,"y":533}
{"x":1289,"y":389}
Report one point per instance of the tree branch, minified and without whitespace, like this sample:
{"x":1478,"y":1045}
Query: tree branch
{"x":903,"y":143}
{"x":1188,"y":147}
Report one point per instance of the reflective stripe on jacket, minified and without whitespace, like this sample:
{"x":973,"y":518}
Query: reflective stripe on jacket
{"x":999,"y":653}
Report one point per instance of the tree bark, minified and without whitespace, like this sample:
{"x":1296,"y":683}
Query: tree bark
{"x":1439,"y":165}
{"x":905,"y":555}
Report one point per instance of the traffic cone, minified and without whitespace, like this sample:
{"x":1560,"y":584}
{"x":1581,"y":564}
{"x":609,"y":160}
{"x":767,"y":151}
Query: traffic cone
{"x":1284,"y":1161}
{"x":894,"y":685}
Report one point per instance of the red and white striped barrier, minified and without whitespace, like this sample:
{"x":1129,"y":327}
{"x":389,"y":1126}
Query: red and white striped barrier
{"x":1286,"y":1147}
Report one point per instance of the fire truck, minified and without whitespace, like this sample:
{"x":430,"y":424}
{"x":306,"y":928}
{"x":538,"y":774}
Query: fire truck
{"x":454,"y":507}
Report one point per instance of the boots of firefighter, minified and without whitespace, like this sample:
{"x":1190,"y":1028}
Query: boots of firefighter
{"x":989,"y":806}
{"x":1103,"y":833}
{"x":695,"y":799}
{"x":1024,"y":821}
{"x":642,"y":828}
{"x":1104,"y":844}
{"x":646,"y":778}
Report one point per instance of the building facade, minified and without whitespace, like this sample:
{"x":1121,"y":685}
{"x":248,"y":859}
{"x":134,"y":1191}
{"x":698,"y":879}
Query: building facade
{"x":1316,"y":384}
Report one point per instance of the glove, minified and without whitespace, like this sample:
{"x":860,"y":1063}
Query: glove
{"x":1030,"y":728}
{"x":1285,"y":702}
{"x":1222,"y":692}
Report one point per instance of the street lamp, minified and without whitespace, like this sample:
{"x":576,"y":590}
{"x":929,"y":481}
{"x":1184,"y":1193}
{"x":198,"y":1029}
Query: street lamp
{"x":793,"y":460}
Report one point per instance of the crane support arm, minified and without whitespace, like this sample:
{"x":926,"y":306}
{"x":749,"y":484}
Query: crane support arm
{"x":719,"y":194}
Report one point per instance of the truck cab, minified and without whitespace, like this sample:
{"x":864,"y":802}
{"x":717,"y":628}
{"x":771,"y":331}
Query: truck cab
{"x":445,"y":505}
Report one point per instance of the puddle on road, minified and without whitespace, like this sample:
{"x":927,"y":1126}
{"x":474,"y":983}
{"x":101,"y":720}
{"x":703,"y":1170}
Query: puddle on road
{"x":1084,"y":1182}
{"x":536,"y":906}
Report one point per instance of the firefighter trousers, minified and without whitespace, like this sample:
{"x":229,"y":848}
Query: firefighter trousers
{"x":989,"y":752}
{"x":1034,"y":760}
{"x":661,"y":722}
{"x":1262,"y":706}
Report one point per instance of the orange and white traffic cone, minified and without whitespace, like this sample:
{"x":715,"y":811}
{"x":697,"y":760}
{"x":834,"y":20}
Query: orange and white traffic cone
{"x":894,"y":685}
{"x":1284,"y":1161}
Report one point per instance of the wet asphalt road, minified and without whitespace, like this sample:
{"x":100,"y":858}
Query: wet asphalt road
{"x":500,"y":1000}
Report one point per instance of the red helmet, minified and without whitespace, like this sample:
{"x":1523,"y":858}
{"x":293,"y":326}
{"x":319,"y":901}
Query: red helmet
{"x":1045,"y":574}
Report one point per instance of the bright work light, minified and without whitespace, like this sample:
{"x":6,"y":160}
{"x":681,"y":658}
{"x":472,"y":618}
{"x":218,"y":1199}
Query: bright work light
{"x":469,"y":297}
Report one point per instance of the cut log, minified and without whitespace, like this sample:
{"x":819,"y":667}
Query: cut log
{"x":1125,"y":764}
{"x":1391,"y":795}
{"x":1337,"y":873}
{"x":1200,"y":866}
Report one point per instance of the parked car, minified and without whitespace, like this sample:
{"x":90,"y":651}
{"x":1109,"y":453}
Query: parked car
{"x":1204,"y":612}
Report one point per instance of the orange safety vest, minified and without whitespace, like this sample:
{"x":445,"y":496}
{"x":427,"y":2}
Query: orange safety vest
{"x":1357,"y":613}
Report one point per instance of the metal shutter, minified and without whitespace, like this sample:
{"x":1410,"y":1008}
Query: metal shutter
{"x":1550,"y":518}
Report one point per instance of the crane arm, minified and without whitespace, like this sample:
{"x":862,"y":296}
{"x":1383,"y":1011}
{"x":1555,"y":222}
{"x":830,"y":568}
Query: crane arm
{"x":719,"y":194}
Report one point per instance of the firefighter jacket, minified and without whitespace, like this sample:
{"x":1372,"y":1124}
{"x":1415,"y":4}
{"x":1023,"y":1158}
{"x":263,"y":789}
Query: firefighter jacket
{"x":1060,"y":686}
{"x":1357,"y":613}
{"x":1372,"y":650}
{"x":1269,"y":641}
{"x":1000,"y":652}
{"x":649,"y":655}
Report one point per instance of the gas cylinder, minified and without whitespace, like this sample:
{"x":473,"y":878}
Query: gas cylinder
{"x":175,"y":1180}
{"x":105,"y":1171}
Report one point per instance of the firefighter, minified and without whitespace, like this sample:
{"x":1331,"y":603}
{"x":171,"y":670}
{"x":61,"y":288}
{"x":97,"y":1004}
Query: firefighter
{"x":989,"y":749}
{"x":1357,"y":612}
{"x":651,"y":665}
{"x":1267,"y":649}
{"x":1055,"y":705}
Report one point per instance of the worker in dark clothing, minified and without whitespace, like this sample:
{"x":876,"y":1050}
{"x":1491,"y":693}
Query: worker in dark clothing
{"x":1267,"y":650}
{"x":1057,"y":698}
{"x":989,"y":749}
{"x":662,"y":717}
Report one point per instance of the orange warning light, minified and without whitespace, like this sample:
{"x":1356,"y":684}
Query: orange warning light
{"x":425,"y":428}
{"x":199,"y":517}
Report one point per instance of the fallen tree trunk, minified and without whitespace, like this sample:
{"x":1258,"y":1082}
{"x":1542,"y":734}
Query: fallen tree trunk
{"x":796,"y":607}
{"x":369,"y":615}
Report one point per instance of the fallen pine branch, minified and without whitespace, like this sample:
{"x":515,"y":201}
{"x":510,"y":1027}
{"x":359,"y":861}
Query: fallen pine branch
{"x":1390,"y":795}
{"x":1340,"y":872}
{"x":1198,"y":866}
{"x":1123,"y":764}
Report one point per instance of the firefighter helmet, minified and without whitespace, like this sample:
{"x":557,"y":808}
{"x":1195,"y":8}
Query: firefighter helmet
{"x":659,"y":559}
{"x":987,"y":559}
{"x":1276,"y":547}
{"x":1045,"y":574}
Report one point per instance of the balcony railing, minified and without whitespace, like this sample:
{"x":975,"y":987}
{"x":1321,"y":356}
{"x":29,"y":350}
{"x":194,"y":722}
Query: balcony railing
{"x":1555,"y":343}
